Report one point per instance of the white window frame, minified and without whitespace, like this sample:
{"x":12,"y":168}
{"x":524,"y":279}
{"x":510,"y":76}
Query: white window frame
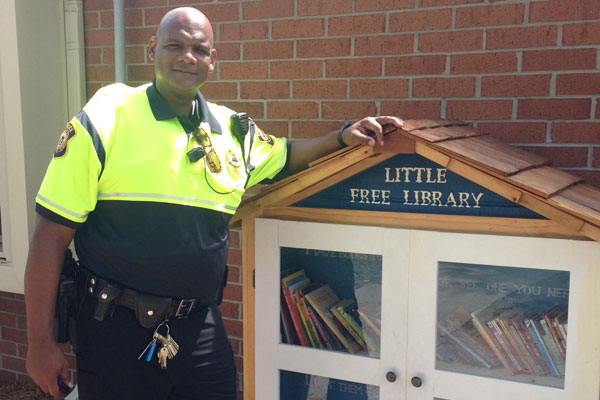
{"x":12,"y":159}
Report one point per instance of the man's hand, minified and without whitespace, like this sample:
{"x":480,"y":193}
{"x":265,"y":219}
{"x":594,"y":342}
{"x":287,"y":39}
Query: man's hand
{"x":369,"y":131}
{"x":45,"y":363}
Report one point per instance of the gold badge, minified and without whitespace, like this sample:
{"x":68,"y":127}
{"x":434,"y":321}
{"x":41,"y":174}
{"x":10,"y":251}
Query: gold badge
{"x":234,"y":160}
{"x":263,"y":137}
{"x":63,"y":141}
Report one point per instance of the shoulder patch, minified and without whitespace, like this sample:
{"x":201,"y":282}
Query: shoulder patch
{"x":63,"y":141}
{"x":263,"y":137}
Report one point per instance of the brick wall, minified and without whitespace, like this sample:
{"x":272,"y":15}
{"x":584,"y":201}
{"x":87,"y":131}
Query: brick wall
{"x":526,"y":71}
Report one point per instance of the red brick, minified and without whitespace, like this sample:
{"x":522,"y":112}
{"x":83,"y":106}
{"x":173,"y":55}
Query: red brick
{"x":95,"y":5}
{"x":320,"y":7}
{"x":354,"y":67}
{"x":298,"y":28}
{"x":275,"y":128}
{"x":91,"y":20}
{"x":578,"y":84}
{"x":93,"y":55}
{"x":451,"y":41}
{"x":6,"y":376}
{"x":479,"y":109}
{"x":515,"y":85}
{"x":7,"y":319}
{"x":233,"y":292}
{"x":444,"y":87}
{"x":435,"y":3}
{"x":412,"y":109}
{"x":233,"y":328}
{"x":234,"y":257}
{"x":292,"y":110}
{"x":8,"y":348}
{"x":244,"y":31}
{"x":267,"y":9}
{"x":356,"y":25}
{"x":506,"y":14}
{"x":255,"y":110}
{"x":563,"y":10}
{"x":220,"y":90}
{"x":22,"y":322}
{"x":102,"y":37}
{"x":378,"y":88}
{"x":268,"y":50}
{"x":234,"y":274}
{"x":576,"y":132}
{"x":320,"y":89}
{"x":228,"y":51}
{"x":132,"y":18}
{"x":8,"y":295}
{"x":265,"y":90}
{"x":220,"y":12}
{"x":560,"y":59}
{"x":415,"y":65}
{"x":13,"y":306}
{"x":596,"y":161}
{"x":380,"y":45}
{"x":429,"y":20}
{"x":147,"y":3}
{"x":242,"y":70}
{"x":13,"y":364}
{"x":323,"y":47}
{"x":483,"y":63}
{"x":515,"y":132}
{"x":14,"y":335}
{"x":551,"y":109}
{"x":578,"y":34}
{"x":236,"y":346}
{"x":296,"y":69}
{"x":230,"y":310}
{"x":591,"y":177}
{"x":382,"y":5}
{"x":561,"y":156}
{"x":139,"y":35}
{"x":312,"y":129}
{"x":235,"y":239}
{"x":514,"y":38}
{"x":92,"y":88}
{"x":133,"y":55}
{"x":347,"y":109}
{"x":139,"y":73}
{"x":152,"y":16}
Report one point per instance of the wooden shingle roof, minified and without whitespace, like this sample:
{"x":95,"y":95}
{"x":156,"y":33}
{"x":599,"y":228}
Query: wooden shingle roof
{"x":520,"y":176}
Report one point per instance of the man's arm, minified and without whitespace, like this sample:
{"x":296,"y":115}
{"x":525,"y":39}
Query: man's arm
{"x":367,"y":131}
{"x":45,"y":360}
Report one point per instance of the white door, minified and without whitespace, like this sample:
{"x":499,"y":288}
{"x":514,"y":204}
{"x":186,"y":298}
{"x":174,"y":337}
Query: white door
{"x":377,"y":264}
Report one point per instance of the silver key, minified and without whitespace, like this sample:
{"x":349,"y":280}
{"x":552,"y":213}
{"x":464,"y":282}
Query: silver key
{"x":163,"y":353}
{"x":168,"y":342}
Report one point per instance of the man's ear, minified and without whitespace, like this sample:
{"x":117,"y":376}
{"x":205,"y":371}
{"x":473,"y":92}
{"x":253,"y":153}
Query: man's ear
{"x":213,"y":60}
{"x":152,"y":48}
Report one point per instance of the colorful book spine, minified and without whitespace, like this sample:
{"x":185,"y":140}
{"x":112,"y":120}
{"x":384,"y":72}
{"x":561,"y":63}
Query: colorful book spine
{"x":525,"y":351}
{"x":320,"y":329}
{"x":334,"y":310}
{"x":525,"y":336}
{"x":463,"y":344}
{"x":295,"y":316}
{"x":515,"y":346}
{"x":537,"y":339}
{"x":552,"y":348}
{"x":474,"y":341}
{"x":505,"y":345}
{"x":555,"y":336}
{"x":488,"y":336}
{"x":371,"y":344}
{"x":306,"y":322}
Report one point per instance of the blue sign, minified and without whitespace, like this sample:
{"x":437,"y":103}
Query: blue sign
{"x":412,"y":183}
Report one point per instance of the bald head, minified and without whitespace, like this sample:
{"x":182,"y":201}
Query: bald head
{"x":188,"y":17}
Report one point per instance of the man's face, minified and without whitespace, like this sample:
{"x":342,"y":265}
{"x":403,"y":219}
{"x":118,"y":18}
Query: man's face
{"x":183,"y":55}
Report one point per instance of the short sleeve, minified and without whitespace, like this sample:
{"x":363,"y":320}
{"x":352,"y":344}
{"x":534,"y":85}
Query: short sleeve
{"x":268,"y":155}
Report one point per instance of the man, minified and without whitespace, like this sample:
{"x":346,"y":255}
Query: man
{"x":145,"y":180}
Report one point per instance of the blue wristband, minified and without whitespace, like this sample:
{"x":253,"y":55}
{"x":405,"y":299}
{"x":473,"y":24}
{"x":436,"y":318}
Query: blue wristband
{"x":340,"y":132}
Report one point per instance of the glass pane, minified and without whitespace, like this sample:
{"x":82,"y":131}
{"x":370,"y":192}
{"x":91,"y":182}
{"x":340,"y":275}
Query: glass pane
{"x":503,"y":322}
{"x":331,"y":300}
{"x":297,"y":386}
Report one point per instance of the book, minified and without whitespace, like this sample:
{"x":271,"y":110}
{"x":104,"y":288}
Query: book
{"x":292,"y":279}
{"x":322,"y":299}
{"x":463,"y":344}
{"x":311,"y":332}
{"x":493,"y":325}
{"x":560,"y":346}
{"x":525,"y":336}
{"x":325,"y":338}
{"x":490,"y":339}
{"x":349,"y":311}
{"x":335,"y":310}
{"x":537,"y":339}
{"x":552,"y":348}
{"x":508,"y":334}
{"x":461,"y":321}
{"x":288,"y":332}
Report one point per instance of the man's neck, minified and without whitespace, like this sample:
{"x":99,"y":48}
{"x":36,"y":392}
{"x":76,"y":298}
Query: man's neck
{"x":181,"y":103}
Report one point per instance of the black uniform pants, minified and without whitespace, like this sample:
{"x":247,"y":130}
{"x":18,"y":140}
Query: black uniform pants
{"x":108,"y":366}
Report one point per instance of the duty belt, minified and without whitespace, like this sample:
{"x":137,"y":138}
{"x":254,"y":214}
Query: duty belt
{"x":150,"y":310}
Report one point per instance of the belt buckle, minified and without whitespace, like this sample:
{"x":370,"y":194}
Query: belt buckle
{"x":185,"y":307}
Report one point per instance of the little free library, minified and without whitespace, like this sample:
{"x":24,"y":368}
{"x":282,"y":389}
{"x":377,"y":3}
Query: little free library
{"x":443,"y":265}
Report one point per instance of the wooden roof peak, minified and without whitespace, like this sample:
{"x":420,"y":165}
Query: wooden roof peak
{"x":513,"y":173}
